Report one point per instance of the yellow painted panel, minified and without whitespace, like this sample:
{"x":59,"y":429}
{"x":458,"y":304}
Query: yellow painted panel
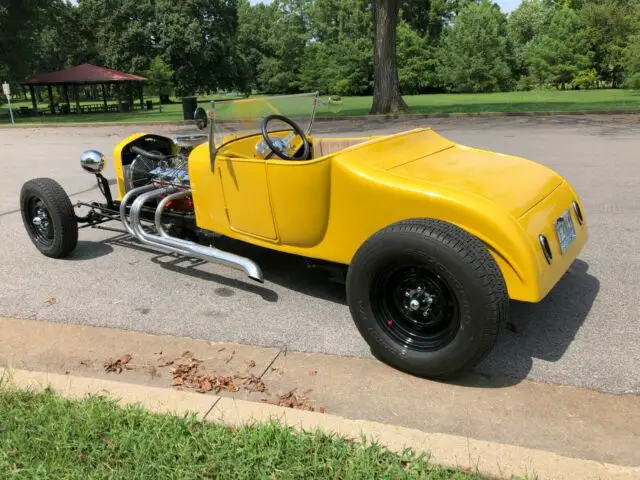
{"x":300,"y":198}
{"x":246,"y":194}
{"x":327,"y":208}
{"x":117,"y":162}
{"x":510,"y":181}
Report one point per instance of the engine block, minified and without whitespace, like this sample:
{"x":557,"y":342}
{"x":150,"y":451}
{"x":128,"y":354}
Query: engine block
{"x":177,"y":176}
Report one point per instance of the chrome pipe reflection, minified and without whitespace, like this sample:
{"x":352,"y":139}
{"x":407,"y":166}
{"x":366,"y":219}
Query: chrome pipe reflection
{"x":125,"y":200}
{"x":184,"y":247}
{"x":160,"y":210}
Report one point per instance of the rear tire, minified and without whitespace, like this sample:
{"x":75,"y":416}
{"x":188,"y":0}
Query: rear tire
{"x":49,"y":218}
{"x":427,"y":297}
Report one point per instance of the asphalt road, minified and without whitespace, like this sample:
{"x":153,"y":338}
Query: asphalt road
{"x":585,"y":333}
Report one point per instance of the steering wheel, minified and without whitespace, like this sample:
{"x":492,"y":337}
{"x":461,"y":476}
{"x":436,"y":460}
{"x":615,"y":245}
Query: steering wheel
{"x":277,"y":149}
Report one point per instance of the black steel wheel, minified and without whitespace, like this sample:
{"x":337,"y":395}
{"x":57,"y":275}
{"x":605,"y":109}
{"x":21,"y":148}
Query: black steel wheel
{"x":48,"y":217}
{"x":427,"y":297}
{"x":415,"y":306}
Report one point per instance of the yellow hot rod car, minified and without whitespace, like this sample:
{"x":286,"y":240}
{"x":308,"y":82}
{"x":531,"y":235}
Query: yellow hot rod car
{"x":436,"y":237}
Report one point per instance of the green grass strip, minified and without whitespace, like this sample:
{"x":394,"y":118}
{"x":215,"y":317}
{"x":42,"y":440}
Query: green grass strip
{"x":45,"y":436}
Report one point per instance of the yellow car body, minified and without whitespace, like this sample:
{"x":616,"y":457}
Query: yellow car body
{"x":328,"y":206}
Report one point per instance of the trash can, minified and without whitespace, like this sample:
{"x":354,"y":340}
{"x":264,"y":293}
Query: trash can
{"x":149,"y":104}
{"x":189,"y":105}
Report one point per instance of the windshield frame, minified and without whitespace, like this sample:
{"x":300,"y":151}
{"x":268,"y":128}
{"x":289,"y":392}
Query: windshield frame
{"x":217,"y":132}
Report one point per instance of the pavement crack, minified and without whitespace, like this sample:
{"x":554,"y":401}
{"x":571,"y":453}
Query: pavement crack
{"x":270,"y":364}
{"x":211,"y":409}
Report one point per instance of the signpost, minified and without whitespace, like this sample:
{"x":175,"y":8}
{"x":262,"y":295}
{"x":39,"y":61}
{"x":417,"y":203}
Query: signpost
{"x":7,"y":93}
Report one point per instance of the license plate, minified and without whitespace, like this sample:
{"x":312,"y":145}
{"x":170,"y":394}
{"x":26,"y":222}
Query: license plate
{"x":565,"y":230}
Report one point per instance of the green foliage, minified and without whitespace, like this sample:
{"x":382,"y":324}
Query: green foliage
{"x":160,"y":78}
{"x":608,"y":23}
{"x":558,"y":55}
{"x":416,"y":61}
{"x":525,"y":24}
{"x":632,"y":62}
{"x":585,"y":79}
{"x":474,"y":53}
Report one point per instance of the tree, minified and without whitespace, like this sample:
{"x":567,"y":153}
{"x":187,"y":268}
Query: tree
{"x":337,"y":58}
{"x":159,"y":79}
{"x":124,"y":33}
{"x":19,"y":19}
{"x":474,"y":54}
{"x":386,"y":87}
{"x":416,"y":61}
{"x":524,"y":25}
{"x":428,"y":17}
{"x":632,"y":63}
{"x":271,"y":41}
{"x":562,"y":53}
{"x":609,"y":23}
{"x":197,"y":38}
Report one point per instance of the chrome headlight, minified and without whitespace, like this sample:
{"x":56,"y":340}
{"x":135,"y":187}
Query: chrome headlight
{"x":92,"y":161}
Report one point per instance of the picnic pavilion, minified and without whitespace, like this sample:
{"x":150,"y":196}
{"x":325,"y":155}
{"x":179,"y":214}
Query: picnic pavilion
{"x":74,"y":78}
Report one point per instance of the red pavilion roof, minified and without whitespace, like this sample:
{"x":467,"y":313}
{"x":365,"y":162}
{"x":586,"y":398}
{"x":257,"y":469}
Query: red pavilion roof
{"x":85,"y":73}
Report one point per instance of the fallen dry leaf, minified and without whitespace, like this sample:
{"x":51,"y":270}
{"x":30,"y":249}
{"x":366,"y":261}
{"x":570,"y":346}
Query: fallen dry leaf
{"x":307,"y":392}
{"x":118,"y":364}
{"x":52,"y":301}
{"x":250,"y":363}
{"x":290,"y":400}
{"x":253,"y":384}
{"x":177,"y":381}
{"x":313,"y":372}
{"x":166,"y":363}
{"x":205,"y":386}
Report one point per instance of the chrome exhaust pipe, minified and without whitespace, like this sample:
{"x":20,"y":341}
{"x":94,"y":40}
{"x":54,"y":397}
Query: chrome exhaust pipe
{"x":125,"y":200}
{"x":184,"y":247}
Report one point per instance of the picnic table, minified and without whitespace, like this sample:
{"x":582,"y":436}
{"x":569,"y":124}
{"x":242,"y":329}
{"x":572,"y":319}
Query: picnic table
{"x":95,"y":108}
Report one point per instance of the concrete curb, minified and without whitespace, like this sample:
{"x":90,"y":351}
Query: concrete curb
{"x":487,"y":458}
{"x":371,"y":118}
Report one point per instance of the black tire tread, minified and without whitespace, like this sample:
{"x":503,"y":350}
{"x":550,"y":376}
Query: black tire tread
{"x":59,"y":205}
{"x":475,"y":255}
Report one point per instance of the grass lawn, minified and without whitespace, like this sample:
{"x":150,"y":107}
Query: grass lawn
{"x":46,"y":436}
{"x":535,"y":101}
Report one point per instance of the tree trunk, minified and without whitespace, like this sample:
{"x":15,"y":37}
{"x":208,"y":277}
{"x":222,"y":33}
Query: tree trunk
{"x":386,"y":88}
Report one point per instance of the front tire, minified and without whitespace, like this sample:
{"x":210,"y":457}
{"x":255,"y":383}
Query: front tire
{"x":49,"y":218}
{"x":427,"y":297}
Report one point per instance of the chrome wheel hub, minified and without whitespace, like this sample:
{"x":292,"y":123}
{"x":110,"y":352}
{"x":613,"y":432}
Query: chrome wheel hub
{"x":417,"y":300}
{"x":41,"y":219}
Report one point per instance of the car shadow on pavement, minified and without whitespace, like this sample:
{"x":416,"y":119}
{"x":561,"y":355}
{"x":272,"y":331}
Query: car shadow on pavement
{"x":189,"y":266}
{"x":86,"y":250}
{"x":543,"y":331}
{"x":293,"y":272}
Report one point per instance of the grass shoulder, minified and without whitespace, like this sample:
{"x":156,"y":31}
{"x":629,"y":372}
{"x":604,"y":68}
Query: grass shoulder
{"x":43,"y":435}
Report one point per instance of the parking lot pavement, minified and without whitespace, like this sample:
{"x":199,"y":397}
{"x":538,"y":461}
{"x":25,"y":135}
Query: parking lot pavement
{"x":585,"y":333}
